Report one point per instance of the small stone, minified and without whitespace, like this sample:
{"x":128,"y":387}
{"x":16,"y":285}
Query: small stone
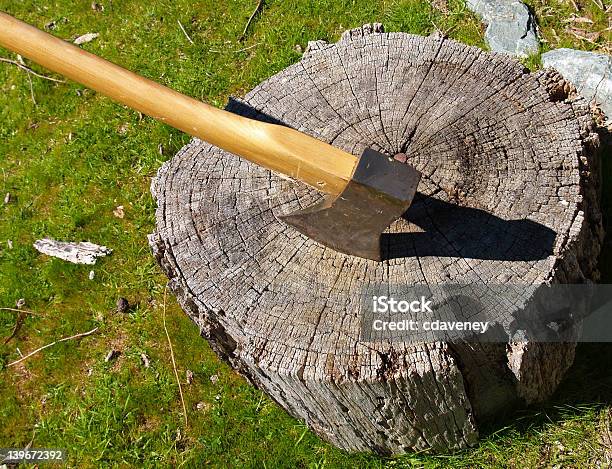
{"x":298,"y":49}
{"x":95,"y":6}
{"x":20,"y":303}
{"x":92,"y":274}
{"x":189,"y":375}
{"x":202,"y":405}
{"x":85,"y":38}
{"x":9,"y":243}
{"x":214,"y":379}
{"x":122,"y":305}
{"x":119,"y":212}
{"x":111,"y":355}
{"x":7,"y":198}
{"x":160,"y":149}
{"x":53,"y":24}
{"x":145,"y":360}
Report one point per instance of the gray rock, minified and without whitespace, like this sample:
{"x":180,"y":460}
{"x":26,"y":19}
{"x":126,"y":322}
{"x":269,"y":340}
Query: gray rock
{"x":590,"y":73}
{"x":511,"y":26}
{"x":123,"y":305}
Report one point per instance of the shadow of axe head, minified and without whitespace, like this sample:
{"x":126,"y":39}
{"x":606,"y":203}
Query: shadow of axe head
{"x":379,"y":192}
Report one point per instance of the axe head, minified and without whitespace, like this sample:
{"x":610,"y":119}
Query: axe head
{"x":380,"y":191}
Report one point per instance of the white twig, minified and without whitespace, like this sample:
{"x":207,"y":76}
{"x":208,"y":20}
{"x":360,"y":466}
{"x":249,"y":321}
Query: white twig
{"x":235,"y":51}
{"x":172,"y":357}
{"x":32,"y":90}
{"x":29,"y":70}
{"x":184,"y":32}
{"x":257,"y":9}
{"x":20,"y":311}
{"x":64,"y":339}
{"x":246,"y":48}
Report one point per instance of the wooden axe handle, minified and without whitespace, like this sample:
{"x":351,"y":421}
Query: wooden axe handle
{"x":275,"y":147}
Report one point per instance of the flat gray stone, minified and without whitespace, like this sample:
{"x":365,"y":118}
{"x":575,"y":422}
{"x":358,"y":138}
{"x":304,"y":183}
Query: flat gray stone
{"x":511,"y":28}
{"x":589,"y":72}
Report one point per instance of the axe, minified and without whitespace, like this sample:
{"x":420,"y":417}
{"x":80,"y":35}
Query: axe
{"x":365,"y":194}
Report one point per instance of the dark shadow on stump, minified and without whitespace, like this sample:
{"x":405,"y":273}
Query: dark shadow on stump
{"x":239,"y":107}
{"x":450,"y":230}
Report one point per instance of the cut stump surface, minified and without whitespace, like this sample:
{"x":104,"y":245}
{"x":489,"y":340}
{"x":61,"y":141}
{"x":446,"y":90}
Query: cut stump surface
{"x":509,"y":194}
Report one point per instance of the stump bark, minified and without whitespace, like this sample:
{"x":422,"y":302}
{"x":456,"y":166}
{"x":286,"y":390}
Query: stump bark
{"x":500,"y":150}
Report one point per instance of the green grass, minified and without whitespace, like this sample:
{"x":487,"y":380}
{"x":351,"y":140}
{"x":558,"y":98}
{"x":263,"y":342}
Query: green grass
{"x":581,"y":24}
{"x":74,"y":156}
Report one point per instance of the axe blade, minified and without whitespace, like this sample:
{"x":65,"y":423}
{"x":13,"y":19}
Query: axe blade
{"x":380,"y":191}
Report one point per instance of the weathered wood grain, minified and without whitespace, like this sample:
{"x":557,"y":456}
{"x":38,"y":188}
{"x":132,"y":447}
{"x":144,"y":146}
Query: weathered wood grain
{"x":489,"y":138}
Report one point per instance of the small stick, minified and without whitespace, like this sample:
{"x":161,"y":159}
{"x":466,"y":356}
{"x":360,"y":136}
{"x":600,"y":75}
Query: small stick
{"x":29,"y":70}
{"x":18,"y":324}
{"x":575,"y":5}
{"x":64,"y":339}
{"x":246,"y":48}
{"x":258,"y":8}
{"x":32,"y":90}
{"x":20,"y":311}
{"x":184,"y":32}
{"x":443,"y":33}
{"x":235,"y":51}
{"x":582,"y":38}
{"x":172,"y":357}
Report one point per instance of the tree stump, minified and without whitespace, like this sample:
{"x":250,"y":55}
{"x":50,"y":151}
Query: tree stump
{"x":492,"y":141}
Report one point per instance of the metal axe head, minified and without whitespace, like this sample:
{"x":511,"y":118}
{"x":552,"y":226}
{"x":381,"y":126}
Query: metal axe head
{"x":380,"y":191}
